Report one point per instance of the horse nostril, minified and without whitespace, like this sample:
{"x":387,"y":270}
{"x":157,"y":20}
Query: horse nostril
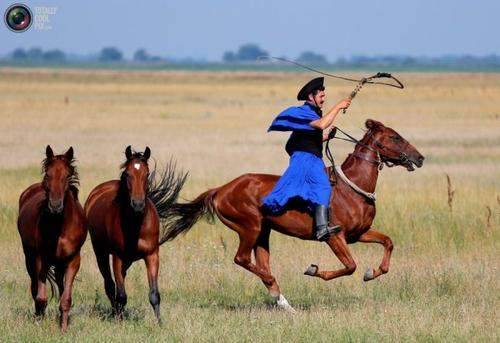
{"x":56,"y":206}
{"x":137,"y":205}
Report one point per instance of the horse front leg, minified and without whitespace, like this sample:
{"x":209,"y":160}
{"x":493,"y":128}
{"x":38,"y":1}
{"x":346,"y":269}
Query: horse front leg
{"x":41,"y":270}
{"x":339,"y":246}
{"x":65,"y":303}
{"x":152,"y":265}
{"x":372,"y":236}
{"x":120,"y":271}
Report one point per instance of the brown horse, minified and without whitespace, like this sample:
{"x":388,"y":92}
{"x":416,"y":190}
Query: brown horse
{"x":238,"y":205}
{"x":124,"y":219}
{"x":52,"y":227}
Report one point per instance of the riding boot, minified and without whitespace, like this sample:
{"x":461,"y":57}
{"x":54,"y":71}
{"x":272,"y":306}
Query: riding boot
{"x":321,"y":230}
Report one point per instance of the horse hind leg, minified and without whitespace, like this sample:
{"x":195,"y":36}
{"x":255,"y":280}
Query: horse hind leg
{"x":262,"y":256}
{"x":29,"y":258}
{"x":105,"y":269}
{"x":249,"y":234}
{"x":59,"y":275}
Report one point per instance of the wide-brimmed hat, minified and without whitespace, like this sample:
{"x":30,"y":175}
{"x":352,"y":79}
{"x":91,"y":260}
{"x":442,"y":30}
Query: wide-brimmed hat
{"x":311,"y":86}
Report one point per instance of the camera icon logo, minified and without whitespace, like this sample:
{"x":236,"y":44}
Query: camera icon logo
{"x":18,"y":17}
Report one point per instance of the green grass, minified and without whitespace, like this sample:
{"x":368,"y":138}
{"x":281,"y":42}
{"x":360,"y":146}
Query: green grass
{"x":443,"y":283}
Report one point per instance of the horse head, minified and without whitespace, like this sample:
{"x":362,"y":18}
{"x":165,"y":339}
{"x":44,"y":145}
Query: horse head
{"x":59,"y":176}
{"x":391,"y":146}
{"x":135,"y":177}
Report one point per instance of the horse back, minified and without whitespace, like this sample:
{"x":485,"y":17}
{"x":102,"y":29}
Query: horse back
{"x":30,"y":192}
{"x":247,"y":188}
{"x":104,"y":192}
{"x":30,"y":204}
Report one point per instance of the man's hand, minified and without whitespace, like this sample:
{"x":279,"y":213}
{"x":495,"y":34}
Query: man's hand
{"x":344,"y":104}
{"x":332,"y":132}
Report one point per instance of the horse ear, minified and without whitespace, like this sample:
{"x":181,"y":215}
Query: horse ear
{"x":147,"y":153}
{"x":69,"y":154}
{"x":372,"y":124}
{"x":49,"y":152}
{"x":128,"y":152}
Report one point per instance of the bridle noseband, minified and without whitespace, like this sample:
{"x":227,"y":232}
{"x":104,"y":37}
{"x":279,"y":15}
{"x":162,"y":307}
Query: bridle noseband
{"x":381,"y":157}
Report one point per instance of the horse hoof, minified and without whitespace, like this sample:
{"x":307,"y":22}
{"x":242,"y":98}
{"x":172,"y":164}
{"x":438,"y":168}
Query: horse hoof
{"x":283,"y":304}
{"x":368,"y":275}
{"x":311,"y":270}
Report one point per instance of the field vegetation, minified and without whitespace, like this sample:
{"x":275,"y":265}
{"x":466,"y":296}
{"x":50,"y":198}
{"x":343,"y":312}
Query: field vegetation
{"x":443,"y":284}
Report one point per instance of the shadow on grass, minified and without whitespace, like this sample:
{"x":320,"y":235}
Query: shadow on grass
{"x":101,"y":309}
{"x":231,"y":300}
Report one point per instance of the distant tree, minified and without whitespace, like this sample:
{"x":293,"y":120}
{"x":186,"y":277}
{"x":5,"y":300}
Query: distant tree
{"x":141,"y":55}
{"x":229,"y":56}
{"x":312,"y":57}
{"x":34,"y":54}
{"x":155,"y":59}
{"x":250,"y":52}
{"x":110,"y":54}
{"x":54,"y":56}
{"x":19,"y":54}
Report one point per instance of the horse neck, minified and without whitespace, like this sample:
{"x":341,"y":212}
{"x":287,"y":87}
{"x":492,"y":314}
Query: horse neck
{"x":360,"y":171}
{"x":126,"y":211}
{"x":54,"y":221}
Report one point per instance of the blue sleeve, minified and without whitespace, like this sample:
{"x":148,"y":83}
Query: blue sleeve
{"x":294,"y":118}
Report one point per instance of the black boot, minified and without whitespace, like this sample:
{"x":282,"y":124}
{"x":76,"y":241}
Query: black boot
{"x":321,"y":230}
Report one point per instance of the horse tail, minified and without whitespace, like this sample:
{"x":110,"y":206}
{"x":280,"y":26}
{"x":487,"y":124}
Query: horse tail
{"x":51,"y":276}
{"x":184,"y":216}
{"x":164,"y":189}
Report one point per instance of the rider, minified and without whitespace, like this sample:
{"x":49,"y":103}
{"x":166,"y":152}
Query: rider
{"x":306,"y":177}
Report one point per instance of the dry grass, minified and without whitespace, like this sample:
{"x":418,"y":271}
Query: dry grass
{"x":443,"y":283}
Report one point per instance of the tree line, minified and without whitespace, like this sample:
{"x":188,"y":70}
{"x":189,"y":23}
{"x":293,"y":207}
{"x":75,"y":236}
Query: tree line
{"x":251,"y":53}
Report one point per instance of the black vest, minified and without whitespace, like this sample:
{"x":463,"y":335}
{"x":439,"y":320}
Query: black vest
{"x":306,"y":140}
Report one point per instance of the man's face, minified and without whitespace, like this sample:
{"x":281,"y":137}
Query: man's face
{"x":318,"y":99}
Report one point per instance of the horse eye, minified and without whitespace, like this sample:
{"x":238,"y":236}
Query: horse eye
{"x":396,"y":138}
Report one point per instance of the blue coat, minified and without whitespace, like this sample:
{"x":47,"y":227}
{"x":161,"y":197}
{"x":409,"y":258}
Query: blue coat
{"x":305,"y":178}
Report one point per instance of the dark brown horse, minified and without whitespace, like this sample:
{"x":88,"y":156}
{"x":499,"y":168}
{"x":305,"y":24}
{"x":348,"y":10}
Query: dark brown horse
{"x":52,"y":227}
{"x":124,"y":222}
{"x":238,"y":205}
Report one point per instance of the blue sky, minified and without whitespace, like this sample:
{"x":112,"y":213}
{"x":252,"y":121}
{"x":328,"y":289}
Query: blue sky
{"x":205,"y":29}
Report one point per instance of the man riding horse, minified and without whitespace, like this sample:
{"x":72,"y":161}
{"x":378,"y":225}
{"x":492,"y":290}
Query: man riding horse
{"x":306,"y":179}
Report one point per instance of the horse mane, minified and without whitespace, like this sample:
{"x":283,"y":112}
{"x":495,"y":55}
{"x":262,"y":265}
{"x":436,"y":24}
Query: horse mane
{"x":74,"y":177}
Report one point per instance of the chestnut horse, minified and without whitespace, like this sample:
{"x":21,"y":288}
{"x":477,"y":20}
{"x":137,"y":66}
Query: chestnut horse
{"x":124,"y":222}
{"x":52,"y":227}
{"x":238,"y":204}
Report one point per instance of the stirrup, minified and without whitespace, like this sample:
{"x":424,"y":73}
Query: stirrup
{"x":324,"y":233}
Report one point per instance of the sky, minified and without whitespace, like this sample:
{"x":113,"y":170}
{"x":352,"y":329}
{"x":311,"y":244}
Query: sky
{"x":206,"y":29}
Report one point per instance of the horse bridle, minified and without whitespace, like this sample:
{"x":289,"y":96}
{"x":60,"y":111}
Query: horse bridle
{"x":381,"y":157}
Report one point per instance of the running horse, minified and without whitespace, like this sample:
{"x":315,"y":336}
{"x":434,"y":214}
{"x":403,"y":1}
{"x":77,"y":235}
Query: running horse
{"x":124,"y":222}
{"x":238,"y":205}
{"x":52,"y":227}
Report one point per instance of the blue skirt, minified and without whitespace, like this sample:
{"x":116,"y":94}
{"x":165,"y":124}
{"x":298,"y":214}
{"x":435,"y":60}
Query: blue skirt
{"x":305,"y":179}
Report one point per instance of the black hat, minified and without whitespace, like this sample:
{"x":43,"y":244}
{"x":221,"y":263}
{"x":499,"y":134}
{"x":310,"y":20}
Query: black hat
{"x":310,"y":87}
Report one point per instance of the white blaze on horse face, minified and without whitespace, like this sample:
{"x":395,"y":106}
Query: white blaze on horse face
{"x":137,"y":166}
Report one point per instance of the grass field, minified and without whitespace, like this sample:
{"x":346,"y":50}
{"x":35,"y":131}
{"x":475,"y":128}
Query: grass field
{"x":444,"y":279}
